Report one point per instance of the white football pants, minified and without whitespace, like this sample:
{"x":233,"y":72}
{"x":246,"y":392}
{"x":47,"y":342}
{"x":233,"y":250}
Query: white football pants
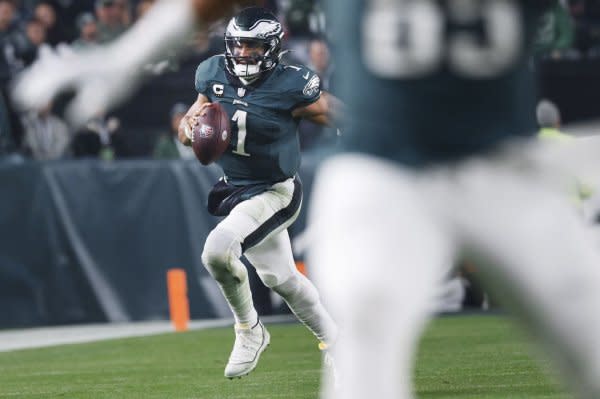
{"x":383,"y":239}
{"x":258,"y":228}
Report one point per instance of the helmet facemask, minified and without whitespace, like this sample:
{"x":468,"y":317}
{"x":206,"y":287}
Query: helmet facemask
{"x":246,"y":55}
{"x":252,"y":44}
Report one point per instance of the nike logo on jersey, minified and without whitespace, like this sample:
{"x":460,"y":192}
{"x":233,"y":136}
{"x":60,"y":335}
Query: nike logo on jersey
{"x":306,"y":76}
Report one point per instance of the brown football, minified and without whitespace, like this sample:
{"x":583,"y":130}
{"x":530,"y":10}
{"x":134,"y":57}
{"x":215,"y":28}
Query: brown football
{"x":211,"y":134}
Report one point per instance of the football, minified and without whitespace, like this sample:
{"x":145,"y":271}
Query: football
{"x":211,"y":134}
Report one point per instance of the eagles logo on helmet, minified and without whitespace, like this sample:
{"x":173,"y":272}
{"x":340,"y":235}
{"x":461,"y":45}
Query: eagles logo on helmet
{"x":254,"y":27}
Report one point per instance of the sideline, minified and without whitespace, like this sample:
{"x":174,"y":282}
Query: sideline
{"x":11,"y":340}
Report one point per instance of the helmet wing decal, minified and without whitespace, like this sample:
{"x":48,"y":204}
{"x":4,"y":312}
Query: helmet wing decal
{"x":261,"y":29}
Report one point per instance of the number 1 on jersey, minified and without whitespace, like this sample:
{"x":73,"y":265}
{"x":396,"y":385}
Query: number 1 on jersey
{"x":240,"y":118}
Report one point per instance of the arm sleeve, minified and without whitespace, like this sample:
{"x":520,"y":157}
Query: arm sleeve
{"x":305,"y":87}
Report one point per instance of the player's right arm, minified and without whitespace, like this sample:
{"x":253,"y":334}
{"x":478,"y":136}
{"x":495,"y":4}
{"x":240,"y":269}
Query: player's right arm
{"x":188,"y":121}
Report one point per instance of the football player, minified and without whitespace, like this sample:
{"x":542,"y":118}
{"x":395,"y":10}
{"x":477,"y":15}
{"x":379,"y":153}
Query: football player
{"x":439,"y":160}
{"x":442,"y":85}
{"x":106,"y":75}
{"x":260,"y":194}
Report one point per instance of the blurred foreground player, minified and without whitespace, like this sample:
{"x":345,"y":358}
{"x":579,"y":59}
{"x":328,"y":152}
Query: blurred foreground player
{"x":104,"y":76}
{"x":438,"y":161}
{"x":260,"y":194}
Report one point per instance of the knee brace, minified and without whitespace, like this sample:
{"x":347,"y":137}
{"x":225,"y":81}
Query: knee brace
{"x":221,"y":256}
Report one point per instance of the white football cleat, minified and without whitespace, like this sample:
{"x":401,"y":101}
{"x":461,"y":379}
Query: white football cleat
{"x":250,"y":342}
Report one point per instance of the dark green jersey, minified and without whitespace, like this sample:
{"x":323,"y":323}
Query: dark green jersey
{"x":264,"y":145}
{"x":429,"y":81}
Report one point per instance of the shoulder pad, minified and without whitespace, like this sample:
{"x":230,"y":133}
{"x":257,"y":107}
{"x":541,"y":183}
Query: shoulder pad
{"x":303,"y":84}
{"x":207,"y":71}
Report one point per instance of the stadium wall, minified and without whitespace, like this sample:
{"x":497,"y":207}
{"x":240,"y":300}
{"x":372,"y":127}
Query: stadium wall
{"x":91,"y":241}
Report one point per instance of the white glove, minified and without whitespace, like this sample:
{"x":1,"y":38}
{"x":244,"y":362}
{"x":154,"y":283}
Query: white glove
{"x":103,"y":77}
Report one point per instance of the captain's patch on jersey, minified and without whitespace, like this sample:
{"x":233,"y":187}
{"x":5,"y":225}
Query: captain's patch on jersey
{"x":312,"y":87}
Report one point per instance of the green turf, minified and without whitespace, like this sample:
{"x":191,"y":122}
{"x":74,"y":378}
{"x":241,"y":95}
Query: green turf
{"x":460,"y":357}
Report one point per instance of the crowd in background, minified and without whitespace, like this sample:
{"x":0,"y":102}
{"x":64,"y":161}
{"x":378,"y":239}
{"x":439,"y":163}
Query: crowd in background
{"x":29,"y":27}
{"x":570,"y":31}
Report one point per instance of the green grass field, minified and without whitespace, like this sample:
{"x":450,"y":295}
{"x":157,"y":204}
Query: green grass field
{"x":475,"y":357}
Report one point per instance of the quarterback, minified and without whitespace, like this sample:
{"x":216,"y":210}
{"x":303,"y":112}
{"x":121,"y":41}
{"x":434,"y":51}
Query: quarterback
{"x":260,"y":194}
{"x":439,"y":91}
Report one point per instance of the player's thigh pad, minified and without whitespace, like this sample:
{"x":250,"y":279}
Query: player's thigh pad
{"x":266,"y":214}
{"x":251,"y":223}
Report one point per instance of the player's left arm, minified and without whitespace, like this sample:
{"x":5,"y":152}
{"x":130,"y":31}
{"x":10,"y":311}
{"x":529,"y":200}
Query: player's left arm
{"x":327,"y":110}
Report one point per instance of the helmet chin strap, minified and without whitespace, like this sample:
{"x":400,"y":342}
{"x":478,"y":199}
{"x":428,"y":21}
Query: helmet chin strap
{"x":247,"y":73}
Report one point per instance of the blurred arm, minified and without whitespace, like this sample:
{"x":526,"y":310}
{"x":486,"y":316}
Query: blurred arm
{"x":105,"y":76}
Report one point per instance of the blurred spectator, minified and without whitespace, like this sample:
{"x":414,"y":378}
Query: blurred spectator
{"x":96,"y":139}
{"x":46,"y":135}
{"x":556,"y":33}
{"x":7,"y":31}
{"x":311,"y":134}
{"x":86,"y":144}
{"x":548,"y":118}
{"x":125,"y":9}
{"x":7,"y":144}
{"x":88,"y":32}
{"x":320,"y":61}
{"x":168,"y":146}
{"x":66,"y":14}
{"x":7,"y":15}
{"x":304,"y":18}
{"x":15,"y":49}
{"x":204,"y":45}
{"x":36,"y":34}
{"x":586,"y":14}
{"x":46,"y":15}
{"x":110,"y":20}
{"x":142,"y":7}
{"x":19,"y":47}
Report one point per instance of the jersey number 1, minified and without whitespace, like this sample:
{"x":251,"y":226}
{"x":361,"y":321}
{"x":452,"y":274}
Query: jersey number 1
{"x":240,"y":118}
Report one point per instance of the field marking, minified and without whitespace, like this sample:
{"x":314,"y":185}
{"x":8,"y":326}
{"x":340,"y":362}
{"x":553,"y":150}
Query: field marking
{"x":50,"y":336}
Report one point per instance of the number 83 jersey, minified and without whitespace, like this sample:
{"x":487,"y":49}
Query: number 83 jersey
{"x":434,"y":81}
{"x":264,"y":145}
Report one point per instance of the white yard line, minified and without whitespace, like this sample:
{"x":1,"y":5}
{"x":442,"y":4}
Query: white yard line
{"x":51,"y":336}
